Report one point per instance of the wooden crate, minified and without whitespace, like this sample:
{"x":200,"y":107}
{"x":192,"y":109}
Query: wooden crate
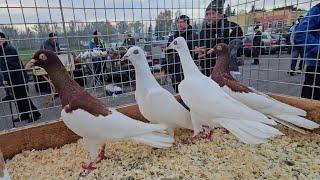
{"x":55,"y":134}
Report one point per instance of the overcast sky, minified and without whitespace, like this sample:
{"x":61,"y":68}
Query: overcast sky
{"x":35,"y":11}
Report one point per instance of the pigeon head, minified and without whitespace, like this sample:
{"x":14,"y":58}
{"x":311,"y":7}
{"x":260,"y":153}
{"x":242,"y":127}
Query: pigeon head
{"x":178,"y":44}
{"x":134,"y":54}
{"x":221,"y":49}
{"x":45,"y":59}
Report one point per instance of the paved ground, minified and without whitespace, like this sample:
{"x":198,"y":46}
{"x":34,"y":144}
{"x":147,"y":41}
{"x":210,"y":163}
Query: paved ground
{"x":270,"y":76}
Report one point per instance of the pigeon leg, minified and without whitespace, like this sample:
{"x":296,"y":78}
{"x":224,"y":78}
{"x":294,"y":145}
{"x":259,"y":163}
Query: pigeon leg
{"x":94,"y":164}
{"x":97,"y":155}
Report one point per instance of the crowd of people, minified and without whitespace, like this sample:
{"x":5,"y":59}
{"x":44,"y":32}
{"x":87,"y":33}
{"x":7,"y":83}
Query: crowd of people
{"x":304,"y":38}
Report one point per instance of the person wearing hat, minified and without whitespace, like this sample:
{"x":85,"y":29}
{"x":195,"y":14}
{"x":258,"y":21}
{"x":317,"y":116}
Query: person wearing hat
{"x":99,"y":64}
{"x":217,"y":29}
{"x":173,"y":66}
{"x":51,"y":43}
{"x":256,"y":45}
{"x":16,"y":77}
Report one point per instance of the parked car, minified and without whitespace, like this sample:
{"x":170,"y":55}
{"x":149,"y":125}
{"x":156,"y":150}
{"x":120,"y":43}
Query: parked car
{"x":281,"y":42}
{"x":268,"y":44}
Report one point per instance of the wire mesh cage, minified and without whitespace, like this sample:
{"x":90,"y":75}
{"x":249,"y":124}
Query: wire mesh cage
{"x":93,"y":36}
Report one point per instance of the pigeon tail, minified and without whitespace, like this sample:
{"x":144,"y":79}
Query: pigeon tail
{"x":155,"y":139}
{"x":249,"y":132}
{"x":296,"y":120}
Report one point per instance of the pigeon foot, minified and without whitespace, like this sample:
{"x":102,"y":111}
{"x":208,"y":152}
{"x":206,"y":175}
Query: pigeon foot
{"x":94,"y":164}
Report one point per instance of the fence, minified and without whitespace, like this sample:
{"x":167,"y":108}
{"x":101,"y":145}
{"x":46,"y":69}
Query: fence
{"x":148,"y":24}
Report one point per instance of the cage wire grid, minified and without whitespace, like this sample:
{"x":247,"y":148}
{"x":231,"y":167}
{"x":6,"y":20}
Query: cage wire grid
{"x":27,"y":24}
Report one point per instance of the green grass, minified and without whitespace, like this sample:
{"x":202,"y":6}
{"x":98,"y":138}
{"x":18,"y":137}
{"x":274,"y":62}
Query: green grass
{"x":26,"y":55}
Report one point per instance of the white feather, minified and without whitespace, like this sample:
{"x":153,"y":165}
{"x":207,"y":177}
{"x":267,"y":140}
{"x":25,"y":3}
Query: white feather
{"x":156,"y":103}
{"x":213,"y":106}
{"x":116,"y":126}
{"x":280,"y":111}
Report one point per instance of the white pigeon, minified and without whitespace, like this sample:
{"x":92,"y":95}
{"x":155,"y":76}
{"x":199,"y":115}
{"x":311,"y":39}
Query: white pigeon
{"x":280,"y":112}
{"x":155,"y":103}
{"x":4,"y":174}
{"x":91,"y":119}
{"x":210,"y":106}
{"x":115,"y":126}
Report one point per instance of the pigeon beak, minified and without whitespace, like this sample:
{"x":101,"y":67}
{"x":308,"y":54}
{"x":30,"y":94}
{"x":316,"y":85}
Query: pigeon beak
{"x":169,"y":47}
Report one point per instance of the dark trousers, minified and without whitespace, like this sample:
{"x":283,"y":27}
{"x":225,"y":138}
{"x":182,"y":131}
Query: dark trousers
{"x":296,"y":52}
{"x":98,"y":68}
{"x":311,"y":80}
{"x":256,"y":54}
{"x":24,"y":103}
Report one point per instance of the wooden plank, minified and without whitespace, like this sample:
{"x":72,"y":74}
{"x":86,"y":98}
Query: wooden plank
{"x":39,"y":137}
{"x":312,"y":107}
{"x":48,"y":135}
{"x":55,"y":134}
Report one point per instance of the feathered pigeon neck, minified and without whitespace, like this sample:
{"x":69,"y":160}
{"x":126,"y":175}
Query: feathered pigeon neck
{"x":188,"y":65}
{"x":222,"y":62}
{"x":61,"y":79}
{"x":143,"y":73}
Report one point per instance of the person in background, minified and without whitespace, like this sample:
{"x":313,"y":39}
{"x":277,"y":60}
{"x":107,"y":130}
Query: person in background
{"x":50,"y":44}
{"x":184,"y":29}
{"x":296,"y":50}
{"x":16,"y":77}
{"x":256,"y":45}
{"x":8,"y":96}
{"x":128,"y":40}
{"x":99,"y":66}
{"x":217,"y":29}
{"x":307,"y":35}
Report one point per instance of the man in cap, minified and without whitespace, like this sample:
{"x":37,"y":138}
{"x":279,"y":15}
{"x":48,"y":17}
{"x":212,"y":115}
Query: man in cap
{"x":184,"y":29}
{"x":256,"y":45}
{"x":217,"y":29}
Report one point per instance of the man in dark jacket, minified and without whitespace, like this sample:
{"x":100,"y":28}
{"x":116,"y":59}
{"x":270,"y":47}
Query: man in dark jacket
{"x":51,"y":44}
{"x":173,"y":60}
{"x":217,"y":29}
{"x":256,"y":45}
{"x":128,"y":40}
{"x":307,"y":35}
{"x":16,"y":76}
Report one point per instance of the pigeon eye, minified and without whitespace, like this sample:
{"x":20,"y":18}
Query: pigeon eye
{"x":175,"y":42}
{"x":136,"y":51}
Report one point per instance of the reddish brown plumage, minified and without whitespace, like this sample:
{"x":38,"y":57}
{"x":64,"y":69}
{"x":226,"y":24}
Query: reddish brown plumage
{"x":221,"y":73}
{"x":72,"y":95}
{"x":2,"y":166}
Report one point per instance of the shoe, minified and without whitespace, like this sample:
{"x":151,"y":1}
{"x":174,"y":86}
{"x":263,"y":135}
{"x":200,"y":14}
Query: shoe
{"x":19,"y":119}
{"x":7,"y":98}
{"x":35,"y":118}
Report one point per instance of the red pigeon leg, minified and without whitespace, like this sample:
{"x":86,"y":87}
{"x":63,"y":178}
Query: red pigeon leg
{"x":94,"y":164}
